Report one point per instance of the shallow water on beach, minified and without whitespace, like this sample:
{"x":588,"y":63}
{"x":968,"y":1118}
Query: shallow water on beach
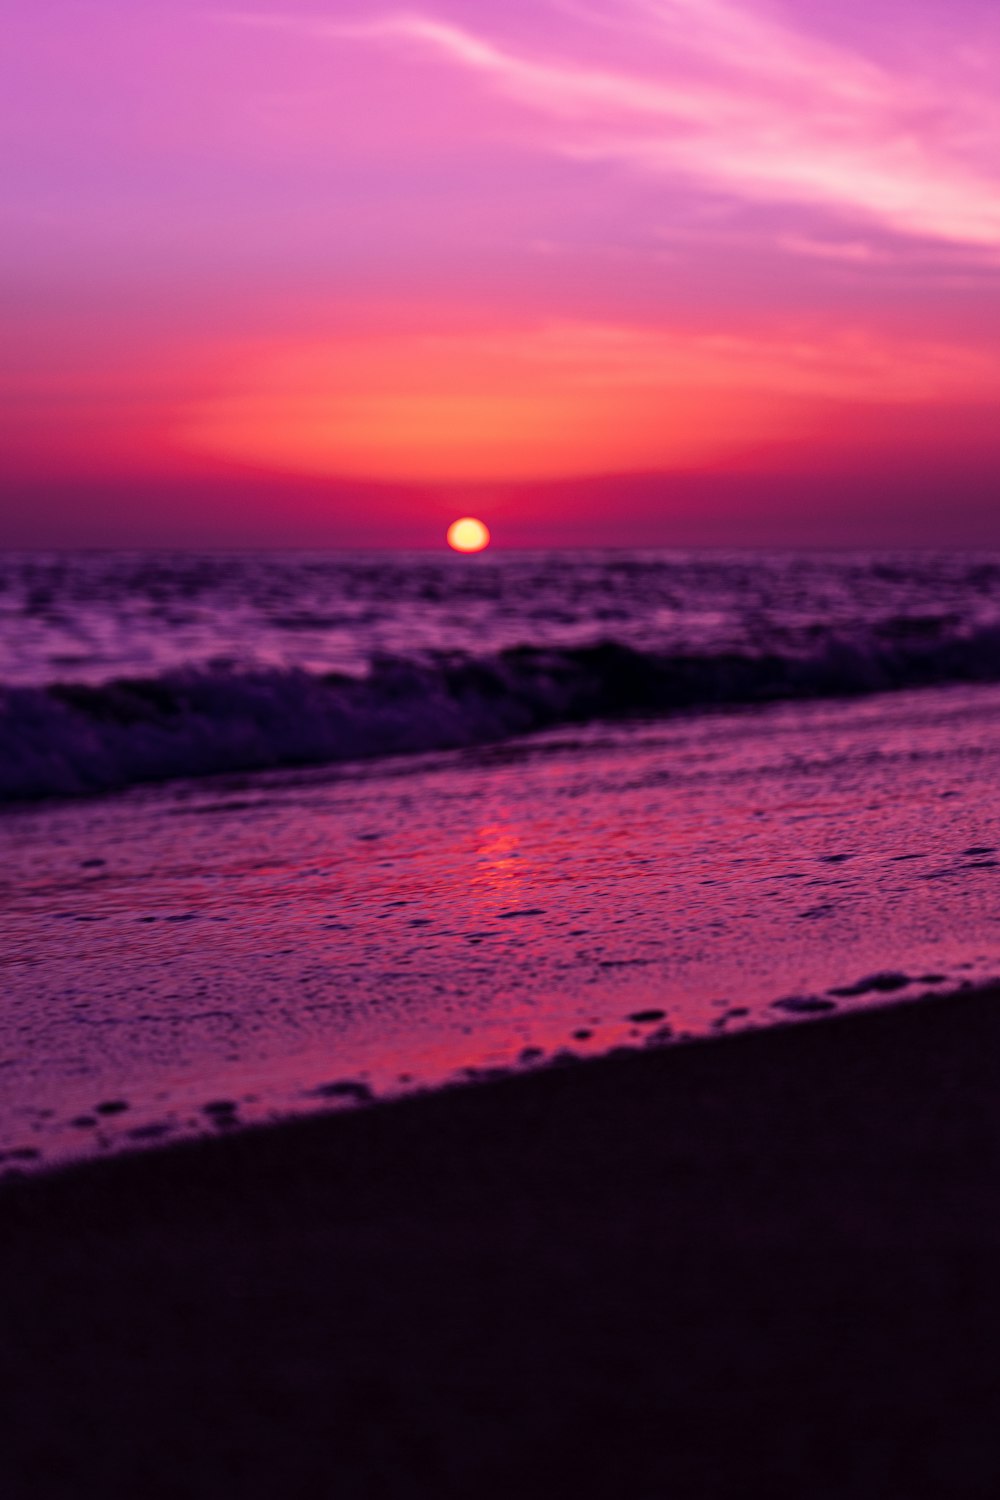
{"x":234,"y":949}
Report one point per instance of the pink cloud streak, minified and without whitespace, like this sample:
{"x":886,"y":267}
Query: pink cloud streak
{"x":720,"y":94}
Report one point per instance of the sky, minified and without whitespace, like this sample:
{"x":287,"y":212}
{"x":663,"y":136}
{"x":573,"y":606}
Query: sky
{"x":605,"y":272}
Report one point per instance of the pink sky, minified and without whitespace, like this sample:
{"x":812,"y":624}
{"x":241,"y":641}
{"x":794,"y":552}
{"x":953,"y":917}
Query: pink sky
{"x":610,"y":271}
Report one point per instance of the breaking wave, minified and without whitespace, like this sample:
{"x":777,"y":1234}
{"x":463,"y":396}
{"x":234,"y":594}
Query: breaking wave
{"x":68,"y":739}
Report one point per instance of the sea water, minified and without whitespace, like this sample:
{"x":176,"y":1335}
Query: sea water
{"x":284,"y":832}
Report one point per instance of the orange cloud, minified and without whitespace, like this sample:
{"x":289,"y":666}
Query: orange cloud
{"x":562,"y":400}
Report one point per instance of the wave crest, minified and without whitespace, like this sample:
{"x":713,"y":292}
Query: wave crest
{"x":72,"y":739}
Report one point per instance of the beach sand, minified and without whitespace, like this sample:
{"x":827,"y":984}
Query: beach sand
{"x":767,"y":1264}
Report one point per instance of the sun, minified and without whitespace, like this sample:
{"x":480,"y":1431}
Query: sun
{"x":468,"y":535}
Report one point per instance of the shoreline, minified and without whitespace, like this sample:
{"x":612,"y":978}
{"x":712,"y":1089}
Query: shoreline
{"x":767,"y":1260}
{"x":261,"y":945}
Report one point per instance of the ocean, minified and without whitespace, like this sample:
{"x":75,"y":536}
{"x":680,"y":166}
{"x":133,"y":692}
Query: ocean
{"x":285,"y":832}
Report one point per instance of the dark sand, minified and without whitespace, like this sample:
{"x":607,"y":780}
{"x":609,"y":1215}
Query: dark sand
{"x":763,"y":1265}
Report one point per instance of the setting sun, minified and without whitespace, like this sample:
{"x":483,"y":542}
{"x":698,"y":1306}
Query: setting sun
{"x":468,"y":535}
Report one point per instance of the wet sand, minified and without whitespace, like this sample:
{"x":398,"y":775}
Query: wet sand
{"x":766,"y":1264}
{"x":399,"y":923}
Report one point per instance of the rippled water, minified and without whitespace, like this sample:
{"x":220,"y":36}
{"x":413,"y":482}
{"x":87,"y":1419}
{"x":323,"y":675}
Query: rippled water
{"x":119,"y":668}
{"x":430,"y":818}
{"x":237,"y":948}
{"x":90,"y":617}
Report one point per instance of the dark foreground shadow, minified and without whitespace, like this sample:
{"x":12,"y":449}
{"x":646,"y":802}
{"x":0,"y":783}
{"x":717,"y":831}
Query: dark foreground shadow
{"x":767,"y":1265}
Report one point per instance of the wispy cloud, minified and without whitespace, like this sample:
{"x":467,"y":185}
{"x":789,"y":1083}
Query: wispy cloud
{"x":849,"y":252}
{"x":850,"y":364}
{"x":722,"y":95}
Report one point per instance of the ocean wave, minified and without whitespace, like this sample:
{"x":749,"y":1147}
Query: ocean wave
{"x":69,"y":739}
